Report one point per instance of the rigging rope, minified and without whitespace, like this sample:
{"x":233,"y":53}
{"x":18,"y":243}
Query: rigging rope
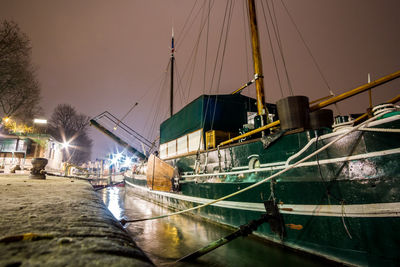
{"x":272,"y":51}
{"x":137,"y":102}
{"x":180,"y":85}
{"x":219,"y":47}
{"x":246,"y":38}
{"x":310,"y":53}
{"x":184,"y":33}
{"x":308,"y":48}
{"x":192,"y":58}
{"x":229,"y":14}
{"x":129,"y":111}
{"x":222,"y":59}
{"x":278,"y":40}
{"x":206,"y":52}
{"x":157,"y":103}
{"x":380,"y":130}
{"x":287,"y":168}
{"x":180,"y":90}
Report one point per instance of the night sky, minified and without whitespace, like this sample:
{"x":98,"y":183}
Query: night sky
{"x":102,"y":55}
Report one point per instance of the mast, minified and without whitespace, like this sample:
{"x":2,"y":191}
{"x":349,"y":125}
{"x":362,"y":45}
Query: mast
{"x":171,"y":96}
{"x":258,"y":71}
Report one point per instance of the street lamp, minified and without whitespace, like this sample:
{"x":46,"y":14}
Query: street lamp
{"x":65,"y":145}
{"x":40,"y":121}
{"x":41,"y":125}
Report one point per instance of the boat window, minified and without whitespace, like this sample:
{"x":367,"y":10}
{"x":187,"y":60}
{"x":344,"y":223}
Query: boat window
{"x":171,"y":148}
{"x":188,"y":143}
{"x":183,"y":145}
{"x":195,"y":140}
{"x":163,"y":151}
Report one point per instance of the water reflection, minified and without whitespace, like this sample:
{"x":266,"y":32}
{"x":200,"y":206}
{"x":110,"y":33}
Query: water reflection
{"x":113,"y":200}
{"x":166,"y":240}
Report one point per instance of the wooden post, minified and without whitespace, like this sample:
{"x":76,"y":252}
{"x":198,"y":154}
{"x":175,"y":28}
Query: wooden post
{"x":258,"y":69}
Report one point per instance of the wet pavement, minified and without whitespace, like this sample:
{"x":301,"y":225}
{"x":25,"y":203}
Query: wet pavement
{"x":166,"y":240}
{"x":60,"y":222}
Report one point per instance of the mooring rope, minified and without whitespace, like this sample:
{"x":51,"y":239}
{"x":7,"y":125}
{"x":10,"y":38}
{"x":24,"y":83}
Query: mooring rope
{"x":381,"y":130}
{"x":123,"y":221}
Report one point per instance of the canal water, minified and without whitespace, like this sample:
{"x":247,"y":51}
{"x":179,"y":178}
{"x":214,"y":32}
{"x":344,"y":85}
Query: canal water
{"x":168,"y":239}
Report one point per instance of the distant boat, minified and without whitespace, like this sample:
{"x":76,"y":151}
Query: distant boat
{"x":337,"y":188}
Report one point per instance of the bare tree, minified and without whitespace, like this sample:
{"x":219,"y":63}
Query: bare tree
{"x":19,"y":88}
{"x":67,"y":126}
{"x":83,"y":149}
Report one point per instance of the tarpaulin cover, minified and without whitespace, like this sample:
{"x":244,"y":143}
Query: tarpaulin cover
{"x":208,"y":112}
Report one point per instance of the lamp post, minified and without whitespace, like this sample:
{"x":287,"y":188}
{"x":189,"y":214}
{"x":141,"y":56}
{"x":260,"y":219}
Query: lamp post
{"x":41,"y":124}
{"x":38,"y":164}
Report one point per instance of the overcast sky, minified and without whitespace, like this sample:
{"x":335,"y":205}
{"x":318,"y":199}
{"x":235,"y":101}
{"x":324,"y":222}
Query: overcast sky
{"x":102,"y":55}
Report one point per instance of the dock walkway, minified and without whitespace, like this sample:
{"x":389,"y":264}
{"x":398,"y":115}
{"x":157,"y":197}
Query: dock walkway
{"x":60,"y":222}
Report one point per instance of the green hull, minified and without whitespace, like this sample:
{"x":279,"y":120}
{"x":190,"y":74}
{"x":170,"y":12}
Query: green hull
{"x":343,"y":204}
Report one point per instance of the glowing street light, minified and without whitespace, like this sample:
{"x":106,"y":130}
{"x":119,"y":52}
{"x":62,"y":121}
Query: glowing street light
{"x":118,"y":156}
{"x":65,"y":145}
{"x":113,"y":161}
{"x":127,"y":162}
{"x":40,"y":121}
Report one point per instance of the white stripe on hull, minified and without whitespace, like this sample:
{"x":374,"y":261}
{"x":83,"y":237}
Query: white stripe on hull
{"x":311,"y":163}
{"x":357,"y":210}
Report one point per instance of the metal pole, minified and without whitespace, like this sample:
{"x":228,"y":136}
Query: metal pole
{"x":243,"y":231}
{"x":355,"y":91}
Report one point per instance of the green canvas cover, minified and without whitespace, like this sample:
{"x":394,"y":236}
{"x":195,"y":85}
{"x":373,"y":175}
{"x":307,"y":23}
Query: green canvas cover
{"x":208,"y":112}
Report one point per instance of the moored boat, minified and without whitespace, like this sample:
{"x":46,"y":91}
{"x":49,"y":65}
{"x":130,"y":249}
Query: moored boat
{"x":335,"y":181}
{"x":342,"y":203}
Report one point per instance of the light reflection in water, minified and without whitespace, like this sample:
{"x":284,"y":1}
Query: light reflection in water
{"x":166,"y":240}
{"x":112,"y":199}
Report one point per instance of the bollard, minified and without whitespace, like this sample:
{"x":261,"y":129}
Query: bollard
{"x":37,"y":171}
